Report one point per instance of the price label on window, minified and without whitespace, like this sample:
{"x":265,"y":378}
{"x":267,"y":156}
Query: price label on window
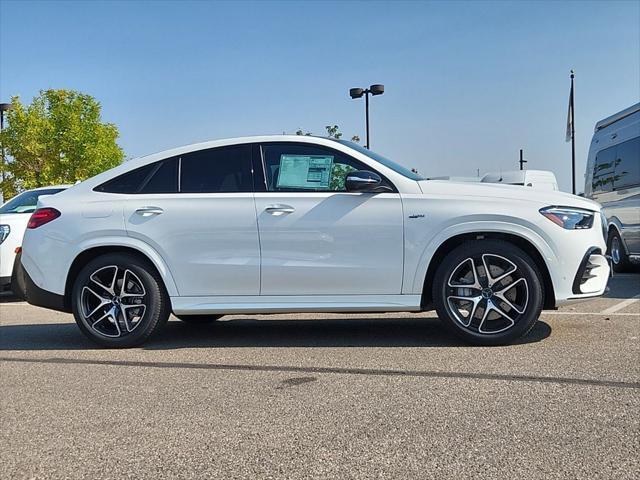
{"x":305,"y":171}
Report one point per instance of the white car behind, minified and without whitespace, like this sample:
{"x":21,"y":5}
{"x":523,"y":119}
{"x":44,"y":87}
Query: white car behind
{"x":14,"y":216}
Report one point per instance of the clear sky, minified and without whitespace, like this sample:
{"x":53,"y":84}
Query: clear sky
{"x":467,"y":83}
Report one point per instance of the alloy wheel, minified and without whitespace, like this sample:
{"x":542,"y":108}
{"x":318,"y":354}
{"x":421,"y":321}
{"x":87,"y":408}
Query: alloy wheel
{"x":113,"y":301}
{"x":487,"y":294}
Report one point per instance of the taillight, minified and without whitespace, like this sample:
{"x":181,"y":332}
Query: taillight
{"x":42,"y":216}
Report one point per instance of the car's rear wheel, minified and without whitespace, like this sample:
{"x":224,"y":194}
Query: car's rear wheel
{"x":198,"y":319}
{"x":488,"y":292}
{"x":119,"y":300}
{"x":615,"y":249}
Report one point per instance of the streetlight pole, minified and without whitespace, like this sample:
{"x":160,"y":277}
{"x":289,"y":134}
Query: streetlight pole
{"x":376,"y":89}
{"x":366,"y":108}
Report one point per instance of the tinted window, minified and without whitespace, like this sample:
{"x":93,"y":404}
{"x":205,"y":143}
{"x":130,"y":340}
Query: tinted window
{"x":26,"y":202}
{"x":158,"y":177}
{"x":383,"y":160}
{"x":164,"y":180}
{"x":294,"y":167}
{"x":603,"y":170}
{"x":128,"y":182}
{"x":627,"y":172}
{"x":217,"y":170}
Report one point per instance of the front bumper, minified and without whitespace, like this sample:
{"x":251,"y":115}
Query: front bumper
{"x":593,"y":274}
{"x":578,"y":267}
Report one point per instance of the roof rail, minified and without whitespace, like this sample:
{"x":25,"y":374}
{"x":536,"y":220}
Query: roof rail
{"x":617,"y":117}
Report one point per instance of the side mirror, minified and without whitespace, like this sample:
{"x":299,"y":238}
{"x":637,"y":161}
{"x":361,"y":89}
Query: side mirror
{"x":362,"y":181}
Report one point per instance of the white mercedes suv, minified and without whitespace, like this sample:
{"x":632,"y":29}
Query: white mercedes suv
{"x":303,"y":224}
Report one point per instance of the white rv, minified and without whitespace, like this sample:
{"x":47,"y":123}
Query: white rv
{"x":541,"y":179}
{"x":613,"y":179}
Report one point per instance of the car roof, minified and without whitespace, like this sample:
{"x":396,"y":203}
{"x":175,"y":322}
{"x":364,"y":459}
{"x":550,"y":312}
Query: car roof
{"x":49,"y":187}
{"x":240,"y":140}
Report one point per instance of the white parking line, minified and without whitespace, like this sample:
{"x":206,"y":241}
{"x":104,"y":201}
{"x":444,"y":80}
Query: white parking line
{"x":621,"y":305}
{"x":591,"y":314}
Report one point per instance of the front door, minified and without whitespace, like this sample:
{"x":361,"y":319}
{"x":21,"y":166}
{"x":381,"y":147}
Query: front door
{"x":318,"y":239}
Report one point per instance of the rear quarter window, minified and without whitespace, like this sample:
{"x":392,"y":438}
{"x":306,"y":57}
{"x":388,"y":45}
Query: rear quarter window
{"x":158,"y":177}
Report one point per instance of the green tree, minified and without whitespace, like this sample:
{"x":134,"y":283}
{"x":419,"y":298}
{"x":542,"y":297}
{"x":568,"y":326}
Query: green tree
{"x":333,"y":131}
{"x":58,"y":138}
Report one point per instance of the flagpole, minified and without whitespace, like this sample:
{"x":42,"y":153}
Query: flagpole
{"x":573,"y":140}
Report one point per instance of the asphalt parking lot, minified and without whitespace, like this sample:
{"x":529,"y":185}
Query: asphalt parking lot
{"x":332,"y":396}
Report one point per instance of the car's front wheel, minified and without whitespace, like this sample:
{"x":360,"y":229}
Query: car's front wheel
{"x":118,"y":300}
{"x":488,"y":292}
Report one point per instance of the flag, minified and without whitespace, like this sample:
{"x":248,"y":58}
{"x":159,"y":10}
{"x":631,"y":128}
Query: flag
{"x":570,"y":114}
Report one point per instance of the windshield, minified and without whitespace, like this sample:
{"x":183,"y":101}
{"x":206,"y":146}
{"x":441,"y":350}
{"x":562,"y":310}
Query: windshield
{"x":26,"y":202}
{"x":383,"y":160}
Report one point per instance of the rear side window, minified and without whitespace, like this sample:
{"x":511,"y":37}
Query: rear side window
{"x":627,"y":173}
{"x":164,"y":179}
{"x":158,"y":177}
{"x":217,"y":170}
{"x":603,"y":171}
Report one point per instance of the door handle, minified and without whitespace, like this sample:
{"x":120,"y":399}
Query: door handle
{"x":148,"y":211}
{"x":279,"y":209}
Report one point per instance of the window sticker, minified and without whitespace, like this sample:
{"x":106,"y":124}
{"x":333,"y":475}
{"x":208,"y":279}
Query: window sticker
{"x":305,"y":171}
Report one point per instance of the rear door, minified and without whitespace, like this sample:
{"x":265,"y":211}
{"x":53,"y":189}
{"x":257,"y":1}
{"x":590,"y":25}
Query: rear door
{"x":197,"y":211}
{"x":318,"y":239}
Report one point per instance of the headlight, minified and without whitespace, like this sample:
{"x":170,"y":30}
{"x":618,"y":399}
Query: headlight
{"x":569,"y":218}
{"x":5,"y":230}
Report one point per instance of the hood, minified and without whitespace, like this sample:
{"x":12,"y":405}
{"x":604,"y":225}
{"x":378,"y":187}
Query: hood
{"x":507,"y":192}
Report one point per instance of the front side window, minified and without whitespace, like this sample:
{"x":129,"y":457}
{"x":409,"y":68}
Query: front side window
{"x":295,"y":167}
{"x":26,"y":202}
{"x":383,"y":160}
{"x":217,"y":170}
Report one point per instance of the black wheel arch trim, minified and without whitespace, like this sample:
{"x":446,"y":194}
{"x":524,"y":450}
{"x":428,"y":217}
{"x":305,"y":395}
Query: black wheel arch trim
{"x":549,"y":299}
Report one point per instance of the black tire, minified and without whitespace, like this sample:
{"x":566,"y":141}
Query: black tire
{"x":198,"y":319}
{"x":615,"y":249}
{"x":512,"y":313}
{"x":144,"y":285}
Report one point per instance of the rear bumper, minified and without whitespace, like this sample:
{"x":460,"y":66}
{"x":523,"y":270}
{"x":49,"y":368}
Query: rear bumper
{"x":42,"y":298}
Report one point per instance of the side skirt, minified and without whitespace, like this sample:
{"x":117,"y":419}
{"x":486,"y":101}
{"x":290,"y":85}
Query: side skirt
{"x":295,"y":304}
